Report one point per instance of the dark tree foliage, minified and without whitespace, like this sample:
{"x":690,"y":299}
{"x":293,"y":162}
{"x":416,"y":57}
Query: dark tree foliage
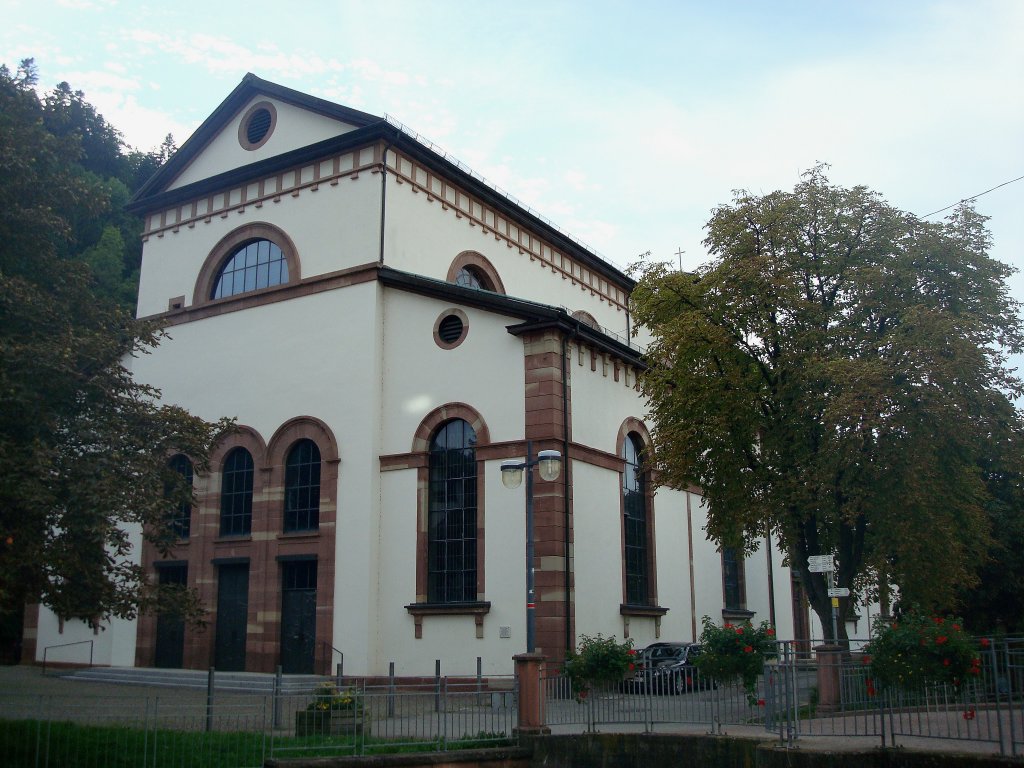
{"x":837,"y":377}
{"x":83,"y":448}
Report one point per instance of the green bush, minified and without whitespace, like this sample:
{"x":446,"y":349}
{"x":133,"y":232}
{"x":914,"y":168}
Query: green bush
{"x":736,"y":652}
{"x":598,"y":661}
{"x":918,"y":650}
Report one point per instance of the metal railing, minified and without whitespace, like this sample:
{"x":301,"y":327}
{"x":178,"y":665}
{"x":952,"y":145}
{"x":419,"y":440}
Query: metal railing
{"x":49,"y":648}
{"x":787,"y":703}
{"x":189,"y":727}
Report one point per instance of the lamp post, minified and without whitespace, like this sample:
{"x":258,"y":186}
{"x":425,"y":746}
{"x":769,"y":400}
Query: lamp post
{"x":549,"y":463}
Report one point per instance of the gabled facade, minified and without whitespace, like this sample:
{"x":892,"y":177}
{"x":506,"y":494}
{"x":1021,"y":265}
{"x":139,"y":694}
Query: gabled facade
{"x":387,"y":329}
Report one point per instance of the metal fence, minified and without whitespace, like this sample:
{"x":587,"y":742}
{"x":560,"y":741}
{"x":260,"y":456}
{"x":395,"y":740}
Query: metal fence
{"x":988,"y":708}
{"x":184,"y":729}
{"x":787,"y":703}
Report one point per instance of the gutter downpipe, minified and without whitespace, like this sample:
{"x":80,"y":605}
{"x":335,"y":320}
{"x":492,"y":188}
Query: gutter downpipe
{"x":383,"y":199}
{"x":565,"y":494}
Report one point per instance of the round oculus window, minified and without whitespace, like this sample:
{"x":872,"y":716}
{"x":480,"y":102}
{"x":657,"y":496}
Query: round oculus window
{"x":257,"y":125}
{"x":450,"y":329}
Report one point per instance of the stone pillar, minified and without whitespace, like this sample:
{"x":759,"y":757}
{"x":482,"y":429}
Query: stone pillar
{"x":530,"y":676}
{"x":830,"y":658}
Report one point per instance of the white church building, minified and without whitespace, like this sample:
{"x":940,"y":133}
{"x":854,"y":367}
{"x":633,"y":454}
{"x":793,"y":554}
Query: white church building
{"x":387,"y":329}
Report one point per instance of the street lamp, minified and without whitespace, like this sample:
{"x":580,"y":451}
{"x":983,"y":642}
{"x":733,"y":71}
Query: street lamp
{"x":549,"y":464}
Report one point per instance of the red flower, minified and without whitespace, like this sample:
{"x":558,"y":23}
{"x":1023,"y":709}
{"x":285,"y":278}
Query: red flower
{"x":974,"y":671}
{"x":969,"y":714}
{"x":771,"y":632}
{"x":727,"y":625}
{"x":985,"y":642}
{"x":865,"y":660}
{"x":956,"y":627}
{"x":632,"y":667}
{"x":739,"y":630}
{"x":748,"y":649}
{"x":937,"y":619}
{"x":941,"y":639}
{"x":870,"y":684}
{"x":945,"y":662}
{"x":581,"y":695}
{"x":760,"y":702}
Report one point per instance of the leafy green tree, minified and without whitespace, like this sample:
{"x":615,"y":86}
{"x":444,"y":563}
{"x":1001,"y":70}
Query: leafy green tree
{"x":83,"y":448}
{"x":835,"y":376}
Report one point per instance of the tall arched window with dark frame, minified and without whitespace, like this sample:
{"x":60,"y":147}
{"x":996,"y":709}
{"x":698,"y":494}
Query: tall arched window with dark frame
{"x":302,"y":487}
{"x":236,"y":494}
{"x":635,"y":522}
{"x":452,"y":516}
{"x":180,"y":520}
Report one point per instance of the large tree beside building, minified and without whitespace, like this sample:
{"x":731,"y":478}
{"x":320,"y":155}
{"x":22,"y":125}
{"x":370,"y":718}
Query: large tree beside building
{"x":83,"y":448}
{"x":836,"y":376}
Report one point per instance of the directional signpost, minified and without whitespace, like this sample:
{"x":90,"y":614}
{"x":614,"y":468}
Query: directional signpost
{"x":826,"y":564}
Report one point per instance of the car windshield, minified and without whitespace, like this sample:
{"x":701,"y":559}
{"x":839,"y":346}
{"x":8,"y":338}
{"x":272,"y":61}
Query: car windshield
{"x":668,"y":652}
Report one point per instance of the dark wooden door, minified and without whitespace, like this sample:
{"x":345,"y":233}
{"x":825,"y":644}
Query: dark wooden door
{"x":298,"y":617}
{"x":232,"y":613}
{"x":170,"y":627}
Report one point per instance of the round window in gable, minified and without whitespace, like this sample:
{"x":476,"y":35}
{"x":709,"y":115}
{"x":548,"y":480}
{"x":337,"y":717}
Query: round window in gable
{"x":451,"y":328}
{"x":257,"y":125}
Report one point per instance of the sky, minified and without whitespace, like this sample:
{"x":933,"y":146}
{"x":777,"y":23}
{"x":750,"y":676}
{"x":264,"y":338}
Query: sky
{"x":624,"y":123}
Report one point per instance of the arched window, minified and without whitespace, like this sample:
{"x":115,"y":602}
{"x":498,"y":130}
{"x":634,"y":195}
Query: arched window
{"x":472,"y":270}
{"x":236,"y":494}
{"x":634,"y":498}
{"x":302,"y":487}
{"x":181,"y":520}
{"x":733,"y":581}
{"x":254,"y":265}
{"x":451,"y":543}
{"x":471,"y":277}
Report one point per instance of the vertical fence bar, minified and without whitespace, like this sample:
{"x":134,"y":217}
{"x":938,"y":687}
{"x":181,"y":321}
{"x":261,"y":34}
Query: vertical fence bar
{"x":437,"y":685}
{"x":277,"y":693}
{"x":339,"y":671}
{"x":479,"y":677}
{"x":391,"y":689}
{"x":1009,"y":689}
{"x":156,"y":729}
{"x":442,"y":711}
{"x":209,"y":700}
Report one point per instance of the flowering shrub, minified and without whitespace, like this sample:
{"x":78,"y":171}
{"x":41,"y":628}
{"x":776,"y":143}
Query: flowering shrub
{"x":328,"y":697}
{"x":920,"y":649}
{"x":598,"y":661}
{"x":736,"y":652}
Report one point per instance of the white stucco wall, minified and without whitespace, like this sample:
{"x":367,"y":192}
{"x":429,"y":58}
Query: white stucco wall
{"x":295,"y":128}
{"x":333,"y":228}
{"x":423,"y":237}
{"x":487,"y":373}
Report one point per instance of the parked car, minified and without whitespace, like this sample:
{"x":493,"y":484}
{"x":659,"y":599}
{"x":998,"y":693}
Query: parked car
{"x":667,"y":668}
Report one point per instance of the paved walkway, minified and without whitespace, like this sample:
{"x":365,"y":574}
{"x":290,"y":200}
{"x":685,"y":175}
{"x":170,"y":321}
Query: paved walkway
{"x":23,"y":690}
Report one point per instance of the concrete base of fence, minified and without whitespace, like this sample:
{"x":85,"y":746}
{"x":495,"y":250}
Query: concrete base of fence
{"x":830,"y":659}
{"x":529,"y":673}
{"x":637,"y":750}
{"x":511,"y":757}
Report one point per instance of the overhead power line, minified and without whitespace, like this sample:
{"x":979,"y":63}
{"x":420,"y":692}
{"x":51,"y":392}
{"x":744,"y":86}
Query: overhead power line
{"x":972,"y":197}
